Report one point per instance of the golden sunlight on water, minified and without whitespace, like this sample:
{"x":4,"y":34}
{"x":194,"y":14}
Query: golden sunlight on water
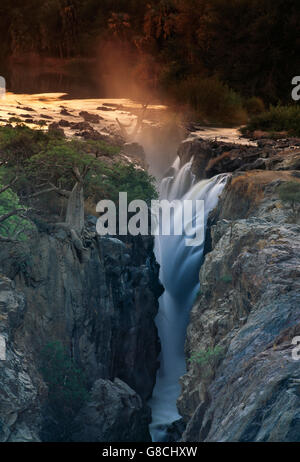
{"x":44,"y":108}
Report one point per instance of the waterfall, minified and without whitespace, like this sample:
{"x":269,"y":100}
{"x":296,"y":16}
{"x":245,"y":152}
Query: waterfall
{"x":177,"y":185}
{"x":179,"y":273}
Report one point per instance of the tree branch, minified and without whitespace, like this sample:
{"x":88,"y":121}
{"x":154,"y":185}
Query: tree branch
{"x":10,"y":214}
{"x":61,"y":192}
{"x":138,"y":124}
{"x":6,"y":239}
{"x":12,"y":182}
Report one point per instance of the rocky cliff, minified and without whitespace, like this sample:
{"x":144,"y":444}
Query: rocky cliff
{"x":242,"y":382}
{"x":98,"y":298}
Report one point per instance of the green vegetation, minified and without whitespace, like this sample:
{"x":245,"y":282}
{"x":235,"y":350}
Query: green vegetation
{"x":227,"y":278}
{"x":209,"y":97}
{"x":209,"y":356}
{"x":277,"y":119}
{"x":67,"y":391}
{"x":208,"y":359}
{"x":17,"y":226}
{"x":290,"y":192}
{"x":42,"y":162}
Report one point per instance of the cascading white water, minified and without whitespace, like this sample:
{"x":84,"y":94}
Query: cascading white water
{"x":179,"y":274}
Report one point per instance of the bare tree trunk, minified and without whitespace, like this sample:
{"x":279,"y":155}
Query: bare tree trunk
{"x":75,"y":209}
{"x":139,"y":121}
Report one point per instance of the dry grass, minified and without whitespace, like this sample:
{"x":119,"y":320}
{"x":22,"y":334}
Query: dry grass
{"x":252,"y":184}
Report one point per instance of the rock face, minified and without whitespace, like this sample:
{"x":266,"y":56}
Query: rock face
{"x":114,"y":413}
{"x":245,"y":384}
{"x":211,"y":158}
{"x":99,"y":300}
{"x":20,"y":384}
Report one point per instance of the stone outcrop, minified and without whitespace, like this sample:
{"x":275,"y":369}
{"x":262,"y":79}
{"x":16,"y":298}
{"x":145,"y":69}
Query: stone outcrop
{"x":20,"y":384}
{"x":245,"y":384}
{"x":114,"y":413}
{"x":99,"y":301}
{"x":211,"y":158}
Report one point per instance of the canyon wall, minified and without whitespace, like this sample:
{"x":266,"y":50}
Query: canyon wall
{"x":98,"y":298}
{"x":242,"y":383}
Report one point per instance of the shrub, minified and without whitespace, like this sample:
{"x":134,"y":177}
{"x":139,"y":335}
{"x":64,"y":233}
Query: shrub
{"x":254,"y":105}
{"x":67,"y":391}
{"x":42,"y":158}
{"x":20,"y":143}
{"x":207,"y":357}
{"x":210,"y":99}
{"x":15,"y":227}
{"x":290,"y":192}
{"x":227,"y":278}
{"x":277,"y":119}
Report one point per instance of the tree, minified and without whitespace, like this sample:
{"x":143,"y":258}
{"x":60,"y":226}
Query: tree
{"x":62,"y":167}
{"x":13,"y":217}
{"x":42,"y":164}
{"x":46,"y":164}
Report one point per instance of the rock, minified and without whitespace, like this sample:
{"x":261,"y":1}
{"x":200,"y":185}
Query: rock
{"x":55,"y":129}
{"x":65,"y":112}
{"x":200,"y":150}
{"x":175,"y":431}
{"x":114,"y":413}
{"x":211,"y":158}
{"x":81,"y":126}
{"x":135,"y":151}
{"x":94,"y":304}
{"x":92,"y":118}
{"x":105,"y":108}
{"x":64,"y":123}
{"x":248,"y":308}
{"x":20,"y":384}
{"x":28,"y":109}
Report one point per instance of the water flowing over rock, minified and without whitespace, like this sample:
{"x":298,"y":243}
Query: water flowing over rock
{"x":179,"y":268}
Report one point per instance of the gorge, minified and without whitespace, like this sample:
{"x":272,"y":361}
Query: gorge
{"x":226,"y":337}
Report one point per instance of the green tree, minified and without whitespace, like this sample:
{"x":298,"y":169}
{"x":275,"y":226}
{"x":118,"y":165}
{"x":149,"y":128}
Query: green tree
{"x":67,"y":391}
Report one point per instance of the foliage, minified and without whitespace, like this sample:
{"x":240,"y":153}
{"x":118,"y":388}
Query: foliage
{"x":254,"y":105}
{"x":227,"y":278}
{"x":15,"y":227}
{"x":20,"y":143}
{"x":208,"y":359}
{"x":210,"y":98}
{"x":136,"y":182}
{"x":289,"y":192}
{"x":42,"y":159}
{"x":67,"y":390}
{"x":277,"y":119}
{"x":251,"y":45}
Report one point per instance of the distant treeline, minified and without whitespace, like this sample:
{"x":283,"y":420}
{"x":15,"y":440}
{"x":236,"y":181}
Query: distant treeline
{"x":253,"y":46}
